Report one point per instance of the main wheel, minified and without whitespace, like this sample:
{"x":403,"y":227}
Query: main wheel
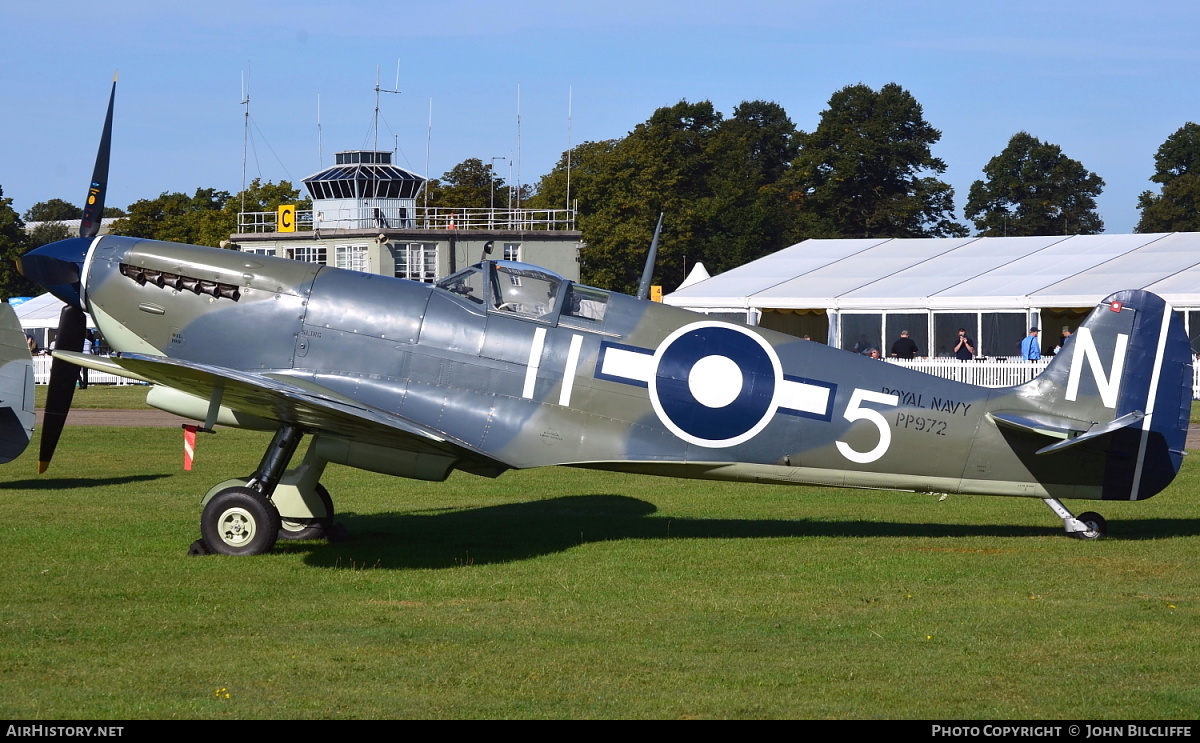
{"x":239,"y":521}
{"x":1097,"y":527}
{"x":310,"y":528}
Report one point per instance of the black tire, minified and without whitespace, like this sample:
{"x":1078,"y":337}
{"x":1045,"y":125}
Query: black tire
{"x":294,"y":531}
{"x":1097,"y":527}
{"x":239,"y":521}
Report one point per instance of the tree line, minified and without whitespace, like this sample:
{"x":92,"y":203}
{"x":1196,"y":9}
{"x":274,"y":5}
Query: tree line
{"x":733,"y":189}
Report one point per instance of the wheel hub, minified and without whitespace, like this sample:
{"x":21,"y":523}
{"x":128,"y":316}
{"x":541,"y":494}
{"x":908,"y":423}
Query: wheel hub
{"x":236,"y":527}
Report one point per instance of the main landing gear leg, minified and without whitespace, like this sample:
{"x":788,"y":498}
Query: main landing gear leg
{"x":1087,"y":525}
{"x":242,"y":520}
{"x":303,"y":502}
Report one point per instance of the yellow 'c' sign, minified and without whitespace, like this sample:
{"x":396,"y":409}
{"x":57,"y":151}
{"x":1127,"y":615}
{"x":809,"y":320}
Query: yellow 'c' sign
{"x":286,"y":219}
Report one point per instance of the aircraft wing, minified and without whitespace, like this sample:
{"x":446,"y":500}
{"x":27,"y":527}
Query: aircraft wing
{"x":277,"y":397}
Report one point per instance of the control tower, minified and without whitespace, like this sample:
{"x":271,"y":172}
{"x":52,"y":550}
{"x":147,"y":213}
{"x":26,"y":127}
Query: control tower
{"x":363,"y":190}
{"x":366,"y":216}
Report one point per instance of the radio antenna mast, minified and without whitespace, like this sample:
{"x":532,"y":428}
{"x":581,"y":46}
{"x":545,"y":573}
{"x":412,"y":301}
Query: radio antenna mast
{"x":245,"y":128}
{"x":569,"y":146}
{"x":428,"y":137}
{"x":379,"y":90}
{"x":375,"y":146}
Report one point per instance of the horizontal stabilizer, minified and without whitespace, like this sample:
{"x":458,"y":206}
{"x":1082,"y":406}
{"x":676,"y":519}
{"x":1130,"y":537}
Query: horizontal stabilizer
{"x":1040,"y":424}
{"x":1098,"y":430}
{"x":1069,"y":432}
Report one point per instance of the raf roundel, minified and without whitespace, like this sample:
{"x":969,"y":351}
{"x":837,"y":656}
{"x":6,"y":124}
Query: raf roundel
{"x":714,"y":385}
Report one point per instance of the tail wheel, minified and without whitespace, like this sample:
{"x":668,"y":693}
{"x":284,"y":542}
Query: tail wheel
{"x":1097,"y":527}
{"x":310,"y":528}
{"x":239,"y":521}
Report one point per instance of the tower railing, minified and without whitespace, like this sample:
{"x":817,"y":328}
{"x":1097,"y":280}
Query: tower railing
{"x":420,"y":218}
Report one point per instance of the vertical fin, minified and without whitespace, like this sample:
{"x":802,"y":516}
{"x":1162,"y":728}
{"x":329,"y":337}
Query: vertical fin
{"x":1130,"y":359}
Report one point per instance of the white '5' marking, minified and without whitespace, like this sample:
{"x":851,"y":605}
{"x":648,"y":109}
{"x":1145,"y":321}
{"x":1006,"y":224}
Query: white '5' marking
{"x":855,"y":412}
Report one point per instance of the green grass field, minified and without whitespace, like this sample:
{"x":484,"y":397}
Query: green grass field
{"x":564,"y":593}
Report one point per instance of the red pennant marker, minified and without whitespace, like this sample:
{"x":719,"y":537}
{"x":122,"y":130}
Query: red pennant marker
{"x":189,"y":445}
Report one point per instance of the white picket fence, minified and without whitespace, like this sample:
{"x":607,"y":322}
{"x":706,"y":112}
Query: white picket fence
{"x":991,"y":373}
{"x":41,"y":374}
{"x":986,"y":373}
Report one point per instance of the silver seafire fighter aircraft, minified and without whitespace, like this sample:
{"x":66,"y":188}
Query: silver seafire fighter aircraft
{"x":505,"y":366}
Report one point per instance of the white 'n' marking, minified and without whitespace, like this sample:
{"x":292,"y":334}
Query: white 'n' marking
{"x":1083,"y":347}
{"x":535,"y":360}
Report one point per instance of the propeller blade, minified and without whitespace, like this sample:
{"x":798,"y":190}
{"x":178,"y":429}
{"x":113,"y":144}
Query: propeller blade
{"x":93,"y":209}
{"x":72,"y":325}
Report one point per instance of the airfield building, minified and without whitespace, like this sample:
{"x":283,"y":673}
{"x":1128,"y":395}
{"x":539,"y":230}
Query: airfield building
{"x":72,"y":226}
{"x":366,"y":216}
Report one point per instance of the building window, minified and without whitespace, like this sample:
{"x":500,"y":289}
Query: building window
{"x":512,"y":251}
{"x":416,"y":261}
{"x":352,"y":257}
{"x":258,"y":250}
{"x":310,"y":254}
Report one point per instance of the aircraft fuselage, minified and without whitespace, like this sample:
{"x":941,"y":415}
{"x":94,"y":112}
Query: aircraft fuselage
{"x":626,"y":384}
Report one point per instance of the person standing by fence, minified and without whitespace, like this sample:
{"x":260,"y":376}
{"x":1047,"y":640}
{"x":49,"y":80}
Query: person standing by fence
{"x":1062,"y":342}
{"x":964,"y":350}
{"x":904,"y":347}
{"x":1031,"y":347}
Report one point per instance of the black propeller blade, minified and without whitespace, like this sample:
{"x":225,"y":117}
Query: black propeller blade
{"x":59,"y":267}
{"x":93,"y":209}
{"x":72,"y":325}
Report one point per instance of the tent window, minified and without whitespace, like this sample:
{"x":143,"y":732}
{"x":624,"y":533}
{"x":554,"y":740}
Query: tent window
{"x":814,"y":323}
{"x":861,"y":333}
{"x":945,"y":331}
{"x":917,"y":325}
{"x":1193,"y":318}
{"x":1003,"y":332}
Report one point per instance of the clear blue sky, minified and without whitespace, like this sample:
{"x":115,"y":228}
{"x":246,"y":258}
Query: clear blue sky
{"x":1107,"y":81}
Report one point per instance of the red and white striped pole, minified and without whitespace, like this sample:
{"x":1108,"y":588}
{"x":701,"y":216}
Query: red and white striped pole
{"x":189,"y":445}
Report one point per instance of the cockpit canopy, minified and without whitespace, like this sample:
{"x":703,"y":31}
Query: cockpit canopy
{"x":525,"y":291}
{"x":507,"y":286}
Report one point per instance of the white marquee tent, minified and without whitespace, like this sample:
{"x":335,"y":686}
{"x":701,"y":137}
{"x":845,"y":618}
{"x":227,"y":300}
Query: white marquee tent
{"x":39,"y":318}
{"x":854,"y":291}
